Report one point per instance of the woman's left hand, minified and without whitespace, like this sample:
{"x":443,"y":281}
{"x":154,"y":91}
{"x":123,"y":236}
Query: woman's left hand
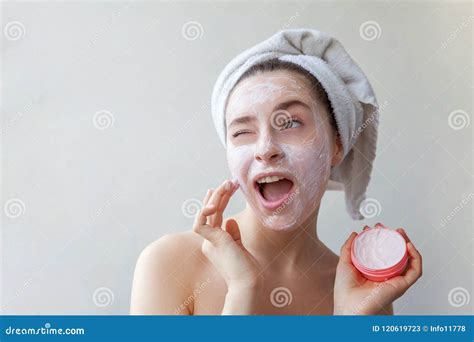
{"x":356,"y":295}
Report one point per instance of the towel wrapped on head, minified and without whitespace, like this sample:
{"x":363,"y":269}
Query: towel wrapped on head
{"x":352,"y":99}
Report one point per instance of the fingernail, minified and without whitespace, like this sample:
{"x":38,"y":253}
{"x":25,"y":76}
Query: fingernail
{"x":228,"y":185}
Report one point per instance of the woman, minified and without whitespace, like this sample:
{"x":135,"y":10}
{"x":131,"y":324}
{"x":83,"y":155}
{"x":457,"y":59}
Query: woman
{"x":282,"y":141}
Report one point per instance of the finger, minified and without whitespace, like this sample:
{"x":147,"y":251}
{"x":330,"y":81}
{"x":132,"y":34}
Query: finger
{"x":345,"y":254}
{"x":219,"y":192}
{"x":379,"y":225}
{"x":366,"y":227}
{"x":415,"y":268}
{"x":236,"y":186}
{"x":230,"y":189}
{"x":207,"y":197}
{"x":232,"y":228}
{"x":201,"y":216}
{"x":218,"y":217}
{"x":220,"y":200}
{"x":200,"y":223}
{"x":404,"y":234}
{"x":217,"y":196}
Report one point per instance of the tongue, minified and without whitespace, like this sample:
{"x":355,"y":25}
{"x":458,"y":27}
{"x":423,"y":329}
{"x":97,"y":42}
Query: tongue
{"x":276,"y":190}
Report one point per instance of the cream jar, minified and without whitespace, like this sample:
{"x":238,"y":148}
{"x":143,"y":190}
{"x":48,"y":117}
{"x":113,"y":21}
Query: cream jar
{"x":379,"y":253}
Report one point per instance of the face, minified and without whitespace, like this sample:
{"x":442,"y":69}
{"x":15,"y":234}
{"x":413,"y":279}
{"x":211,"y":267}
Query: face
{"x":276,"y":127}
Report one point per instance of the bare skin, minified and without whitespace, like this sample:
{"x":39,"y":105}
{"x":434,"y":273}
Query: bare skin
{"x":237,"y":265}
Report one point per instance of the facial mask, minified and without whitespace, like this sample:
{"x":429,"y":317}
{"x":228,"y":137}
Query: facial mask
{"x":302,"y":158}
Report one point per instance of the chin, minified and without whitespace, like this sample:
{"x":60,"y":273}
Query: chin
{"x":280,"y":226}
{"x":281,"y":222}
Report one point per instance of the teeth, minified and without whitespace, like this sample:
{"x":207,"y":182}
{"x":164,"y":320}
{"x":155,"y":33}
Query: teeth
{"x":269,"y":179}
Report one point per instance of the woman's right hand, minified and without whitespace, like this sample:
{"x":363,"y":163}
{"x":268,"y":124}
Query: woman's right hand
{"x":223,"y":247}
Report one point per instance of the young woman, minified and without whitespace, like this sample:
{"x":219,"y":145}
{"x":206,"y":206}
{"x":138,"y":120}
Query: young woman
{"x":282,"y":141}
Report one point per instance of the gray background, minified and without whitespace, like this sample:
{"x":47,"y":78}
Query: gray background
{"x":82,"y":196}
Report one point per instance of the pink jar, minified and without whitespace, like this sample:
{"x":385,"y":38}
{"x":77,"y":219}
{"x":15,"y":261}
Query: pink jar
{"x":379,"y":253}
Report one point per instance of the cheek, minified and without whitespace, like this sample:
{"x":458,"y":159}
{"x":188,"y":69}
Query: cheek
{"x":310,"y":165}
{"x":239,"y":160}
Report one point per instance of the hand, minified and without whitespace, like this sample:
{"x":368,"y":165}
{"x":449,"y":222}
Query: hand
{"x":223,"y":247}
{"x":354,"y":294}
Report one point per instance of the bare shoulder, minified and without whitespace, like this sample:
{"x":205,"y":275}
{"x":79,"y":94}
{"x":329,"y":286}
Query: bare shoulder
{"x":164,"y":272}
{"x":173,"y":252}
{"x":174,"y":243}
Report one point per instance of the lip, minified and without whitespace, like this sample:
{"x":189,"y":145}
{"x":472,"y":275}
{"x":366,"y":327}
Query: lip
{"x":273,"y":205}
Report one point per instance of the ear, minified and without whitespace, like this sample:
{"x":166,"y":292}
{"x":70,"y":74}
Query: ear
{"x":338,"y":151}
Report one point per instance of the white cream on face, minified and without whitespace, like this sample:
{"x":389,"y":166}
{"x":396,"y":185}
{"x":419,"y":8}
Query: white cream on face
{"x":379,"y":248}
{"x":305,"y":156}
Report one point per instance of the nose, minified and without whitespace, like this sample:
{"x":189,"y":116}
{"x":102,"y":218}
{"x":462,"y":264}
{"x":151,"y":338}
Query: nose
{"x":267,"y":150}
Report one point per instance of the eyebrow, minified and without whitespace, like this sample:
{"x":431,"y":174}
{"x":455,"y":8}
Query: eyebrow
{"x":282,"y":106}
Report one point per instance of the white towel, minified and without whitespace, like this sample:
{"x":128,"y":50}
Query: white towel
{"x":351,"y":95}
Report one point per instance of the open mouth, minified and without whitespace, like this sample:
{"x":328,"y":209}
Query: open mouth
{"x":273,"y":191}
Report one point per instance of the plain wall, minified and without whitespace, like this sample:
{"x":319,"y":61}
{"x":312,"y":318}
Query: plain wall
{"x":79,"y":203}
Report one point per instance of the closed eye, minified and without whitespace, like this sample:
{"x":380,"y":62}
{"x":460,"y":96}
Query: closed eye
{"x":239,"y":133}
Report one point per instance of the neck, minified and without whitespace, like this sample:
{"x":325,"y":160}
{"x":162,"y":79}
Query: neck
{"x":297,"y":245}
